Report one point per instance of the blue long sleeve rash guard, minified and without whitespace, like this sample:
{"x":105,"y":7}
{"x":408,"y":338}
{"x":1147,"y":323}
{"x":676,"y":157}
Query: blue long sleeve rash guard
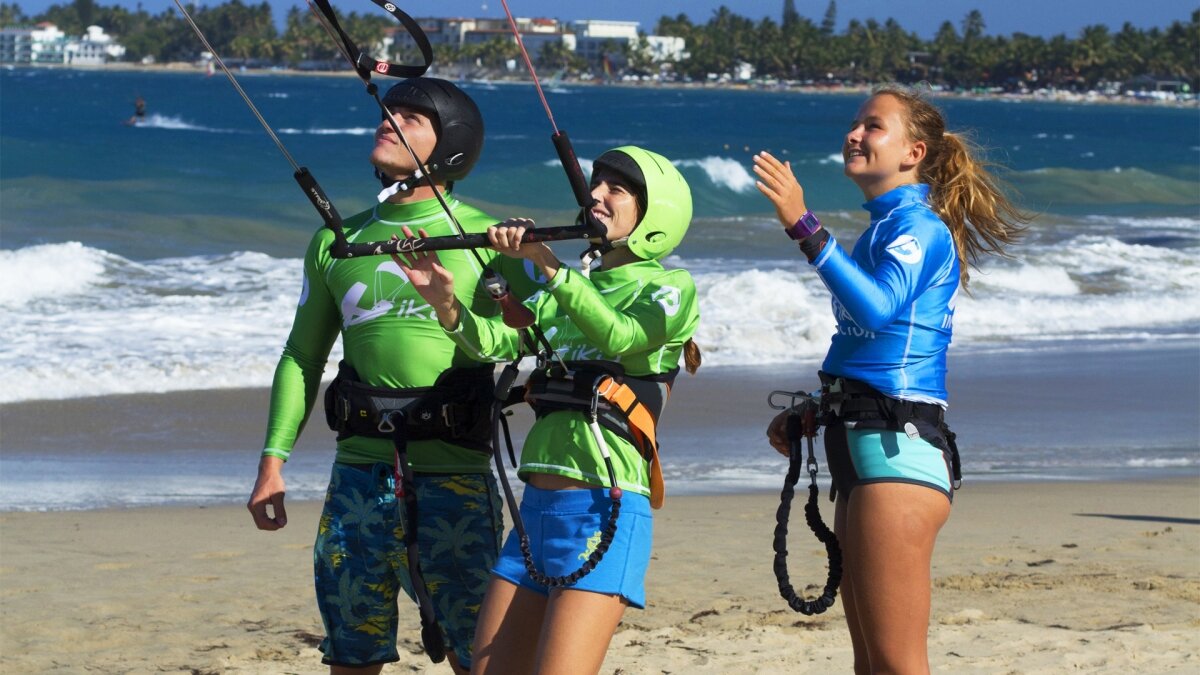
{"x":894,"y":298}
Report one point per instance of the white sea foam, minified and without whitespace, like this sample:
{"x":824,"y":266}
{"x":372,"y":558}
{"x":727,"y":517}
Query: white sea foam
{"x":722,"y":172}
{"x":835,"y":158}
{"x":1161,"y":462}
{"x":584,"y":164}
{"x":157,"y":121}
{"x":105,"y":324}
{"x":1041,"y":280}
{"x":37,"y":272}
{"x":350,"y":131}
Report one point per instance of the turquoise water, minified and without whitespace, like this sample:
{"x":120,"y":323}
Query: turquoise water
{"x":166,"y":256}
{"x":202,"y":176}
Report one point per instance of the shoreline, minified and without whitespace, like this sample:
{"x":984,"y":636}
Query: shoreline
{"x":1043,"y":418}
{"x":838,"y":89}
{"x":1098,"y":577}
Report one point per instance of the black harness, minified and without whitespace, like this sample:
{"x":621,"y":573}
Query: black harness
{"x":457,"y":408}
{"x":550,"y":390}
{"x":858,"y":405}
{"x":855,"y":405}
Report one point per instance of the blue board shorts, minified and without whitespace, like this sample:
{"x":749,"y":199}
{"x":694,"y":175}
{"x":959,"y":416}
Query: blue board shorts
{"x":859,"y":457}
{"x":564,"y":527}
{"x":361,"y":565}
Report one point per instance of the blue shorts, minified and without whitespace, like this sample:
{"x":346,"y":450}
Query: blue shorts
{"x":858,"y":457}
{"x":361,"y":565}
{"x":564,"y":527}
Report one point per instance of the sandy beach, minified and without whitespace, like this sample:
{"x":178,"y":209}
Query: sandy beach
{"x":1028,"y":578}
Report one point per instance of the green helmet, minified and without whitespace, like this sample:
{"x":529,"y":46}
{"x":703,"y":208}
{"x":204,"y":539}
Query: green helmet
{"x":665,"y":199}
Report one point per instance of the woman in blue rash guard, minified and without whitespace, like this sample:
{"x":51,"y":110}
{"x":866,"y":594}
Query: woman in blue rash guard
{"x":934,"y":208}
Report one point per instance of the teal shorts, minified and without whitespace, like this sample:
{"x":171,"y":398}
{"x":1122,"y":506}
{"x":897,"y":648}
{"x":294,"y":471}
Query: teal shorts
{"x":859,"y":457}
{"x":564,"y":527}
{"x":361,"y":565}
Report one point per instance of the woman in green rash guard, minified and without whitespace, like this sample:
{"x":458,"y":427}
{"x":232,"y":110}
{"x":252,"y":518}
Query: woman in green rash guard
{"x":632,"y":313}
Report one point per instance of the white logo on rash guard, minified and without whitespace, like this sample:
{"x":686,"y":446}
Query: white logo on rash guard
{"x":533,"y":272}
{"x":906,"y":249}
{"x":353,"y":315}
{"x":303,"y":292}
{"x":669,"y":297}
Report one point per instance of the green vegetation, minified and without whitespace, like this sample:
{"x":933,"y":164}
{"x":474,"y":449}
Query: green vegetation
{"x":793,"y":49}
{"x":963,"y":57}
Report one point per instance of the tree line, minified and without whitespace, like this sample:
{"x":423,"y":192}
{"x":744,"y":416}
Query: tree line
{"x":794,"y":48}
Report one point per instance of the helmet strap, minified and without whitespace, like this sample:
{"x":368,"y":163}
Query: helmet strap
{"x":597,"y":251}
{"x":391,"y":187}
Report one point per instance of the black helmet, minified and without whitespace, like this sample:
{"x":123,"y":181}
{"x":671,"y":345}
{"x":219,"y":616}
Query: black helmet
{"x":456,"y":118}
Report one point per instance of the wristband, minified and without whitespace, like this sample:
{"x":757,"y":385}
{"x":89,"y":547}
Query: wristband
{"x":805,"y":227}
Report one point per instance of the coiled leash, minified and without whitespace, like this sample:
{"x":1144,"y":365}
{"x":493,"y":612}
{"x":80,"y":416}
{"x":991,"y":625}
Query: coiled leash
{"x":802,"y":415}
{"x":504,"y":385}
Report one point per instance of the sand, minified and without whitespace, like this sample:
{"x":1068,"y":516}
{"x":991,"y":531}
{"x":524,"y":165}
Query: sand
{"x":1028,"y":578}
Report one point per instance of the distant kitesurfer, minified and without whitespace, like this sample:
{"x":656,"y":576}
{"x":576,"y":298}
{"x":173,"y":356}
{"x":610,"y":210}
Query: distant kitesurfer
{"x":139,"y":112}
{"x":934,"y":207}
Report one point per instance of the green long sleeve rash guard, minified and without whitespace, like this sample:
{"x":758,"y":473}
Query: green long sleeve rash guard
{"x":639,"y":315}
{"x":390,"y":336}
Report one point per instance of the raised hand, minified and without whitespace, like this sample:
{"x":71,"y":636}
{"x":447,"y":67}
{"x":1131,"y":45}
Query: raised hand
{"x":425,"y":272}
{"x":777,"y":182}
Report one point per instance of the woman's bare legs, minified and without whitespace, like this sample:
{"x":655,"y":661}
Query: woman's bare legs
{"x":862,"y":663}
{"x":887,"y":538}
{"x":506,"y":633}
{"x":520,"y":631}
{"x":576,"y":631}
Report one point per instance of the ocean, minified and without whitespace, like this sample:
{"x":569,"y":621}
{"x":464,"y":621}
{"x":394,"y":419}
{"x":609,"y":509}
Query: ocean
{"x":166,"y":257}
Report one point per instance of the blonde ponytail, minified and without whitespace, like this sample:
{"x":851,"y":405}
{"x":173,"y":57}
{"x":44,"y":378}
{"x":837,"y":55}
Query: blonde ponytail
{"x":964,"y":191}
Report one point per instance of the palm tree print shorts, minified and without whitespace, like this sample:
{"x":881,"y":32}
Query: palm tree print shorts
{"x":361,"y":565}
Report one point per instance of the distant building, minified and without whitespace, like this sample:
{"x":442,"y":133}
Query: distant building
{"x":46,"y":44}
{"x":93,"y":49}
{"x":665,"y":48}
{"x":459,"y":32}
{"x":43,"y":44}
{"x":595,"y":40}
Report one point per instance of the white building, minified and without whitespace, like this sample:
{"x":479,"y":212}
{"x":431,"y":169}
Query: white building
{"x":593,"y":39}
{"x":596,"y":39}
{"x":43,"y":44}
{"x":47,"y":44}
{"x":665,"y":48}
{"x":93,"y":49}
{"x":458,"y":32}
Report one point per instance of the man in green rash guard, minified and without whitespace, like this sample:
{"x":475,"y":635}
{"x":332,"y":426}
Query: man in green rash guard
{"x":392,"y":342}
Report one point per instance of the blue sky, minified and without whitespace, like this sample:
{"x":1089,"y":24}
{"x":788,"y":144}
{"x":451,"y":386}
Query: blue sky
{"x":1003,"y":17}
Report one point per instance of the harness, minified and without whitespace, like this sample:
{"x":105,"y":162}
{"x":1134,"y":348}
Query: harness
{"x":802,"y":422}
{"x":858,"y":405}
{"x":629,"y":406}
{"x":626,"y":405}
{"x":455,"y":409}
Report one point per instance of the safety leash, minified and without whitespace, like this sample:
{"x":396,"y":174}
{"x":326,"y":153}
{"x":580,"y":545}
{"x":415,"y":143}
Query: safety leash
{"x":801,"y":428}
{"x":503,"y":389}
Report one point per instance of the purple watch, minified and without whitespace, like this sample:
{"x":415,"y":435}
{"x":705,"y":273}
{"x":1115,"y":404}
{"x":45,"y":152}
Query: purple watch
{"x":805,"y":227}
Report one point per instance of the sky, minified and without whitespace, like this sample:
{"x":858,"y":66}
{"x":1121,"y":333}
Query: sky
{"x":1001,"y":17}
